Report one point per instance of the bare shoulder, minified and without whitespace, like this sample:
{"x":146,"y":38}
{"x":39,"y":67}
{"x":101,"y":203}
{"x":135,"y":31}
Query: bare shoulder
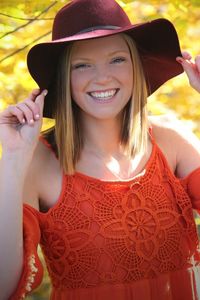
{"x":167,"y":126}
{"x":163,"y":124}
{"x":177,"y":139}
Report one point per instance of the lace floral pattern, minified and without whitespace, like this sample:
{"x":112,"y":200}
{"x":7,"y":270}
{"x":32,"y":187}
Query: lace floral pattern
{"x":114,"y":232}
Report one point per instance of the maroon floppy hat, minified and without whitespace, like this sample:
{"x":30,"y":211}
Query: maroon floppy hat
{"x":156,"y":41}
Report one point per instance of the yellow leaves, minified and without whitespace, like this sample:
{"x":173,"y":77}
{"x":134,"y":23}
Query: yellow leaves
{"x":183,"y":8}
{"x":137,"y":12}
{"x":21,"y":65}
{"x":2,"y":105}
{"x":16,"y":83}
{"x":47,"y":123}
{"x":175,"y":96}
{"x":121,"y":3}
{"x":197,"y":221}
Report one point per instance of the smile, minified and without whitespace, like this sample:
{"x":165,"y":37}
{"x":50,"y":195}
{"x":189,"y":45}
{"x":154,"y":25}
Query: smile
{"x":103,"y":95}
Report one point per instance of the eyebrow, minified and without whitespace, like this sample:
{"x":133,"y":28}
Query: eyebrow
{"x":118,"y":51}
{"x":110,"y":54}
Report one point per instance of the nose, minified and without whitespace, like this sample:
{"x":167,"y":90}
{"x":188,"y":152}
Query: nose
{"x":103,"y":74}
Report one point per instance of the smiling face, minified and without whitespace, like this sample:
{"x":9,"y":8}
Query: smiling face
{"x":101,"y":76}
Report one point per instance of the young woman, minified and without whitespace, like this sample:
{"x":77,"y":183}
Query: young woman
{"x":108,"y":193}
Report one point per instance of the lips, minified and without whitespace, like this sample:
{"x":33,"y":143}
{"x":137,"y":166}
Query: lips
{"x":103,"y":95}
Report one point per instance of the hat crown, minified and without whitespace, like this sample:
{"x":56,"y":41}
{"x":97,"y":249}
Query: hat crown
{"x":79,"y":15}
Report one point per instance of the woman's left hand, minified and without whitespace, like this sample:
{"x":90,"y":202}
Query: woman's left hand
{"x":192,"y":69}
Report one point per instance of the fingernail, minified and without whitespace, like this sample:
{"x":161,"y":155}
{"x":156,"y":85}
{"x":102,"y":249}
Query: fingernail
{"x":37,"y":116}
{"x":45,"y":92}
{"x":23,"y":121}
{"x":31,"y":121}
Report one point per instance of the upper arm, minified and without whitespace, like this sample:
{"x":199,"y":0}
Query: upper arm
{"x":30,"y":191}
{"x":188,"y":152}
{"x":44,"y":179}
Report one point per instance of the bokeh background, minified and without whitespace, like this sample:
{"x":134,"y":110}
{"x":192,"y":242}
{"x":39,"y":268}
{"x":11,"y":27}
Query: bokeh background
{"x":24,"y":23}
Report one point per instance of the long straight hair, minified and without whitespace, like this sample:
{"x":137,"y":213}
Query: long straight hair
{"x":134,"y":134}
{"x":68,"y":130}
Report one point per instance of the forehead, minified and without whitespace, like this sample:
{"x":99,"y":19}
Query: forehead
{"x":100,"y":45}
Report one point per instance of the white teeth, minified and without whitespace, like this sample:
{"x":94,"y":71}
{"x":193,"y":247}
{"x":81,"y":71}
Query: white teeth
{"x":103,"y":95}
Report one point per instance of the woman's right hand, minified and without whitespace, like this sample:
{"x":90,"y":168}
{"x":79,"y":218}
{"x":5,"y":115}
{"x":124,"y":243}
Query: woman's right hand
{"x":20,"y":124}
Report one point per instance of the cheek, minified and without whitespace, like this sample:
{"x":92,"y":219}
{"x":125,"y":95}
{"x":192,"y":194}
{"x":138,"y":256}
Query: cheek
{"x":75,"y":85}
{"x":125,"y":71}
{"x":80,"y":81}
{"x":127,"y":77}
{"x":74,"y":81}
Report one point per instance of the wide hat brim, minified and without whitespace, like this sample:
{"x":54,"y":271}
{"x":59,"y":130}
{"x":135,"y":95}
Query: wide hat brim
{"x":157,"y":43}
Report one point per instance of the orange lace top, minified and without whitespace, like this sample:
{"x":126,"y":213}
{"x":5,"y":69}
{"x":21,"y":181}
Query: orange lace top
{"x":125,"y":240}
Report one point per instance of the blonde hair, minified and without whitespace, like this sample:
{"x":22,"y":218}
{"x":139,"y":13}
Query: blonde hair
{"x":134,"y":127}
{"x":68,"y":133}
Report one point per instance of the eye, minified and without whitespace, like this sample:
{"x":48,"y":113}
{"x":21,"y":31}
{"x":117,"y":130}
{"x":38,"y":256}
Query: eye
{"x":80,"y":66}
{"x":118,"y":60}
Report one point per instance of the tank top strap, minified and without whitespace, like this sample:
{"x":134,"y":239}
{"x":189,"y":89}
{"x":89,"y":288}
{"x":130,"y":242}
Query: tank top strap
{"x":162,"y":160}
{"x":150,"y":132}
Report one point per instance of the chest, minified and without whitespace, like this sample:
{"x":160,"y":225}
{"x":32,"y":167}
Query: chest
{"x":50,"y":178}
{"x":117,"y":232}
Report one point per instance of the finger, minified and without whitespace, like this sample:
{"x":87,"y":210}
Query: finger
{"x":197,"y":62}
{"x":188,"y":66}
{"x":27,"y":112}
{"x":40,"y":101}
{"x":34,"y":107}
{"x":186,"y":55}
{"x":34,"y":94}
{"x":15,"y":112}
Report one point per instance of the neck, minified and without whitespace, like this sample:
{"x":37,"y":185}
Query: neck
{"x":102,"y":136}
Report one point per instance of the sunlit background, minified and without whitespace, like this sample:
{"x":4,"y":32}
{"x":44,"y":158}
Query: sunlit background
{"x":24,"y":23}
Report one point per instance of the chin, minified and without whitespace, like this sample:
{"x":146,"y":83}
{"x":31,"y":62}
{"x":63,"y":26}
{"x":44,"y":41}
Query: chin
{"x":104,"y":115}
